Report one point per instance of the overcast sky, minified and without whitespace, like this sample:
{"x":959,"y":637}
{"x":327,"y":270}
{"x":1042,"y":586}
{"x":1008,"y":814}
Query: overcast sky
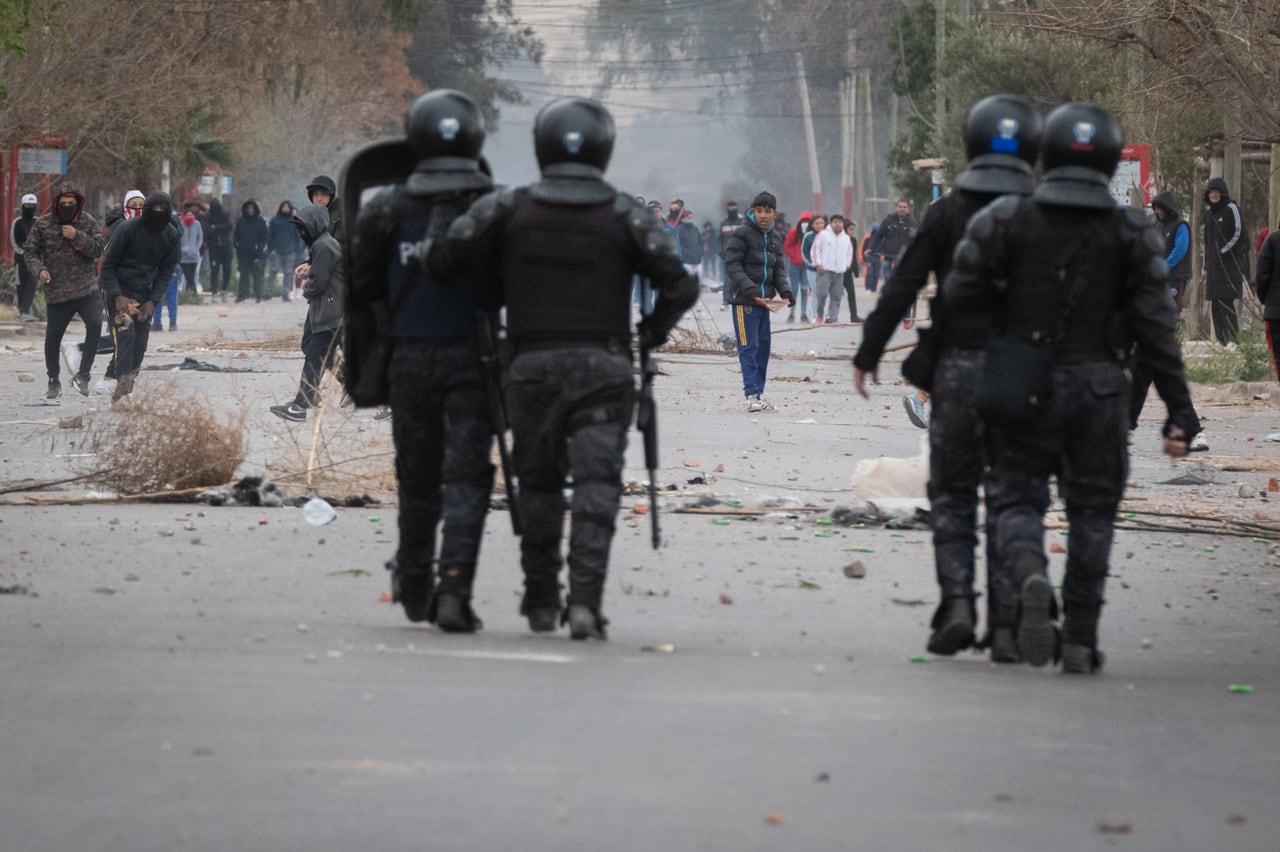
{"x":665,"y":148}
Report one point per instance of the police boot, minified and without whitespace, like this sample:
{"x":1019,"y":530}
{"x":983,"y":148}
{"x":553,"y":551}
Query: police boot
{"x":1002,"y":618}
{"x":453,"y":613}
{"x":1037,"y":635}
{"x":952,"y":625}
{"x":1080,"y":654}
{"x":413,"y":590}
{"x":585,"y":622}
{"x":542,"y":611}
{"x":450,"y":608}
{"x":1003,"y":646}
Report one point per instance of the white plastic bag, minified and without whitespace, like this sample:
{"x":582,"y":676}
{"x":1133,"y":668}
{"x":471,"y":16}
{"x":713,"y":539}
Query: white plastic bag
{"x":886,"y":477}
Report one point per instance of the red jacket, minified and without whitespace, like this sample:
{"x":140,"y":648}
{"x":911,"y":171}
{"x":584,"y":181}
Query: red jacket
{"x":791,"y":245}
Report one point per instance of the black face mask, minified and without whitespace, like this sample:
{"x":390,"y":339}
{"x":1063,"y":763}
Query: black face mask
{"x":67,"y":212}
{"x":28,"y":213}
{"x":732,"y":211}
{"x":155,"y":220}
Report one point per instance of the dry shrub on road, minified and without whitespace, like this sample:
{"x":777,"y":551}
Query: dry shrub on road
{"x":156,"y":440}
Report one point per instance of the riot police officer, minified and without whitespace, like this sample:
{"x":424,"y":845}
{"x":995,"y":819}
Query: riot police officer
{"x":1070,"y":282}
{"x":567,"y":247}
{"x":426,"y":334}
{"x":1001,"y":141}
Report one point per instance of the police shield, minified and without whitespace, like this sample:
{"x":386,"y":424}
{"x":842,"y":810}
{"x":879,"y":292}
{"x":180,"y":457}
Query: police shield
{"x":367,"y":334}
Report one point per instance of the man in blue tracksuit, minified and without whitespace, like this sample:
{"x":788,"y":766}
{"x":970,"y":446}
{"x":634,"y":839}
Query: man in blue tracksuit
{"x":755,"y":272}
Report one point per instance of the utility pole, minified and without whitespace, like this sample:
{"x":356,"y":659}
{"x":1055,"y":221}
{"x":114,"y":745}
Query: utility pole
{"x":939,"y":59}
{"x":869,"y":146}
{"x":814,"y":177}
{"x":848,"y":125}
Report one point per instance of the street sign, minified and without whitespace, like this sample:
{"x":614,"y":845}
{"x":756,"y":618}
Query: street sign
{"x":42,"y":161}
{"x":206,"y":184}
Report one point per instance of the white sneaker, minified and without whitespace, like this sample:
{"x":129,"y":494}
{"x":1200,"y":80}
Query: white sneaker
{"x":1199,"y":444}
{"x":756,"y":404}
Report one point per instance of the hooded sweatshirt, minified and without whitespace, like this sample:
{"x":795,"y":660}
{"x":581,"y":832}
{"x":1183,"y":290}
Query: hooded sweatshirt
{"x":323,"y":287}
{"x":1177,"y":236}
{"x":791,"y":246}
{"x":71,"y":263}
{"x":1226,"y":245}
{"x":142,"y":253}
{"x":282,"y":234}
{"x":251,"y":232}
{"x":192,"y":238}
{"x":218,"y":229}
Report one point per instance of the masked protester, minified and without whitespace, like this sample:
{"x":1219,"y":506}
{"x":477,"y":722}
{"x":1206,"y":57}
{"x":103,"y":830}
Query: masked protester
{"x":730,"y":223}
{"x":136,"y":268}
{"x":440,"y":417}
{"x":323,"y":290}
{"x":1002,"y":135}
{"x":62,"y":252}
{"x":570,"y":384}
{"x":219,"y":236}
{"x":1067,"y":284}
{"x":250,"y":239}
{"x":18,"y":232}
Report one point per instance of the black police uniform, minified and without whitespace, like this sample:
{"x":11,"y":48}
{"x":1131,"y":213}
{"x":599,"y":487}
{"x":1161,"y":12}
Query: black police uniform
{"x":567,"y":247}
{"x":1014,"y":262}
{"x":1002,"y":137}
{"x":441,"y":423}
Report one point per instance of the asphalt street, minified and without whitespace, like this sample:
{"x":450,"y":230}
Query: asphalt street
{"x":190,"y":677}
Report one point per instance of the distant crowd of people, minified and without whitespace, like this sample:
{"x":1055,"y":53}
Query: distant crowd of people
{"x":131,"y":267}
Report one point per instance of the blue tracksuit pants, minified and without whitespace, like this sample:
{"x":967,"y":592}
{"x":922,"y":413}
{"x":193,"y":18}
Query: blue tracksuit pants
{"x":752,"y":332}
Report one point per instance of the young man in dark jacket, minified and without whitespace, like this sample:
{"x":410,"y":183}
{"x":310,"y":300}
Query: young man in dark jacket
{"x":323,"y":292}
{"x":135,"y":275}
{"x":755,"y":277}
{"x":250,"y":240}
{"x":286,"y":248}
{"x":1226,"y":259}
{"x":22,"y":225}
{"x":218,"y":237}
{"x":890,"y":240}
{"x":62,"y":252}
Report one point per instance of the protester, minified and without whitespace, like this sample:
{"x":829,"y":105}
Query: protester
{"x":832,"y":255}
{"x":797,"y":274}
{"x":756,"y":277}
{"x":286,"y":247}
{"x":192,"y":246}
{"x":137,"y":265}
{"x":730,"y":223}
{"x":323,"y":290}
{"x":690,"y":239}
{"x":26,"y":284}
{"x":220,"y":240}
{"x":61,"y":251}
{"x":1226,"y":259}
{"x":250,"y":242}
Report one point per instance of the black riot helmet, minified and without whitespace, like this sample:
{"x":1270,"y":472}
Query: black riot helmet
{"x":1084,"y":135}
{"x":1002,"y":135}
{"x":444,"y":123}
{"x":1082,"y":145}
{"x":573,"y":136}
